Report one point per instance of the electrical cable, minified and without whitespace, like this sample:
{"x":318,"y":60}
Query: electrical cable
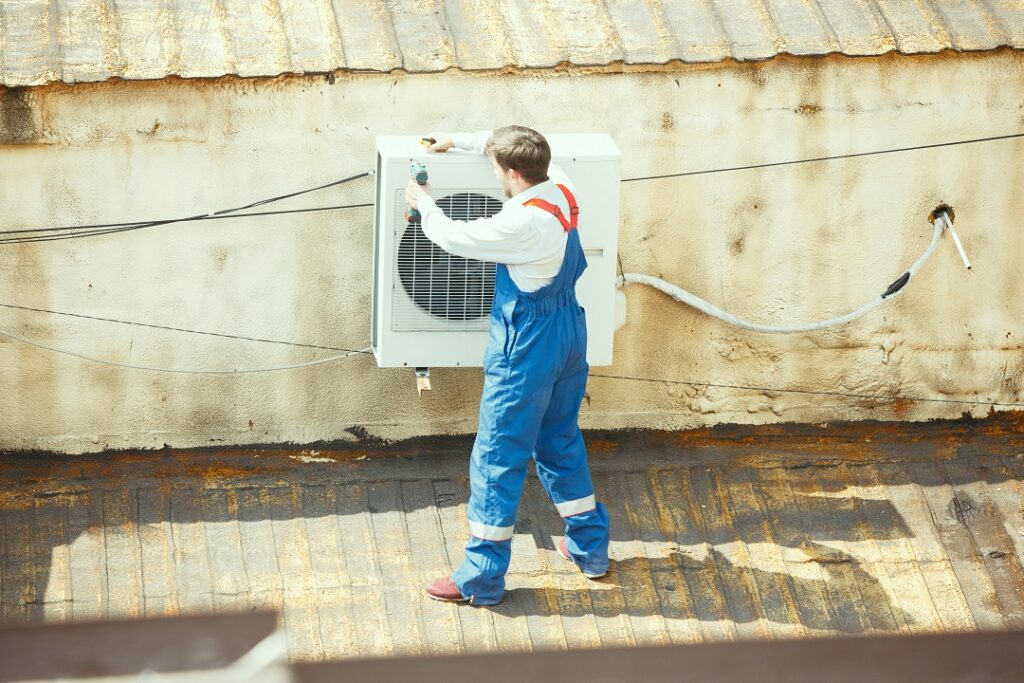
{"x":74,"y":232}
{"x":828,"y":158}
{"x":85,"y":230}
{"x":101,"y":228}
{"x":870,"y":397}
{"x":295,"y":194}
{"x":93,"y":233}
{"x":139,"y":226}
{"x":183,"y":371}
{"x":175,"y":329}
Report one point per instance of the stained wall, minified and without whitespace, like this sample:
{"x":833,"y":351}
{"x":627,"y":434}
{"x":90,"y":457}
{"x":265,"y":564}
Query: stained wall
{"x":784,"y":244}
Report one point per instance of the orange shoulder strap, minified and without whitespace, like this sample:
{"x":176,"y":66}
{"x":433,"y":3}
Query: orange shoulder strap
{"x":574,"y":210}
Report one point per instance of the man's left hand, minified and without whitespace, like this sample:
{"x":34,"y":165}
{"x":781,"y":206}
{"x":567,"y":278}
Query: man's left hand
{"x":414,"y":192}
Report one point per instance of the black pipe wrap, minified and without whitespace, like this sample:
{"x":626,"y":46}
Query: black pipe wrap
{"x":897,"y":285}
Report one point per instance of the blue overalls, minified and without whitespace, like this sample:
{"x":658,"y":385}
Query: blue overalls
{"x":535,"y":374}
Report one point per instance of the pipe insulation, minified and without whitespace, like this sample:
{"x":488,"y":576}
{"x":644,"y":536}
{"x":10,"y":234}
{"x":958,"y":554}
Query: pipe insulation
{"x":683,"y":296}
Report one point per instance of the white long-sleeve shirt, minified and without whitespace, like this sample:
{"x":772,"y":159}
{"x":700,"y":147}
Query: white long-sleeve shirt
{"x":530,"y":241}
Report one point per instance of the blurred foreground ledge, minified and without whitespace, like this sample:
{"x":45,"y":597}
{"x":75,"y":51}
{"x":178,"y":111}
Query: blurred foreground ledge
{"x":249,"y":647}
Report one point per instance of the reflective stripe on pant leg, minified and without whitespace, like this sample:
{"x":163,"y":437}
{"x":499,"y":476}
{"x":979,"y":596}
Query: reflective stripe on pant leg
{"x":495,"y":487}
{"x":511,"y":409}
{"x":561,"y":454}
{"x":586,"y":539}
{"x":562,"y":468}
{"x":490,"y":533}
{"x":578,"y":506}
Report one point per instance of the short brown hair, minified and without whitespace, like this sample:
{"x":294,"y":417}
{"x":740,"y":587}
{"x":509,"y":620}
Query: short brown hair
{"x":522,"y":149}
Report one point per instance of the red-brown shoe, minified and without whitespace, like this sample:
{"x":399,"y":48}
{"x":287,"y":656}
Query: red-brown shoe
{"x":563,"y":550}
{"x":444,"y":589}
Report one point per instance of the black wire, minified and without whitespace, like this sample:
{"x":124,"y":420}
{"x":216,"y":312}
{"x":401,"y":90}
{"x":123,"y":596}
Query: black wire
{"x":71,"y":227}
{"x":179,"y":329}
{"x":294,"y":194}
{"x":278,"y":213}
{"x":204,"y":217}
{"x":72,"y":232}
{"x":111,"y":228}
{"x":92,"y":233}
{"x":830,"y":158}
{"x":127,"y":227}
{"x":810,"y":391}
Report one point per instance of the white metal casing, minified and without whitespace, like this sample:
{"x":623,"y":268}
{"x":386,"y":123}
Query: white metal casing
{"x":405,"y":333}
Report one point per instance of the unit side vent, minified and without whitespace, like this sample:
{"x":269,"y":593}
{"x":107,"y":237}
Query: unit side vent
{"x":439,"y":291}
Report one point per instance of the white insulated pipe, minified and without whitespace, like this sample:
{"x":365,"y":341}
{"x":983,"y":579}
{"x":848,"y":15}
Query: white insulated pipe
{"x":681,"y":295}
{"x":956,"y":239}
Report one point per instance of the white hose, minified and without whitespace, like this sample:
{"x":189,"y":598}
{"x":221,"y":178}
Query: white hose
{"x":680,"y":294}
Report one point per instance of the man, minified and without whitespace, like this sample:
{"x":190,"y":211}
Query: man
{"x":535,"y":367}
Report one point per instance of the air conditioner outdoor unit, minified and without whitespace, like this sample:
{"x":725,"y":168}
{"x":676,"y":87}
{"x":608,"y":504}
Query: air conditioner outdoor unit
{"x":430,"y":308}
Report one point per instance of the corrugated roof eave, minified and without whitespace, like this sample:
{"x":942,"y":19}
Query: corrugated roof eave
{"x":94,"y":40}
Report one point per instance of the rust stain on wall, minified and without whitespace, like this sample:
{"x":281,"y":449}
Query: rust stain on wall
{"x":19,"y":122}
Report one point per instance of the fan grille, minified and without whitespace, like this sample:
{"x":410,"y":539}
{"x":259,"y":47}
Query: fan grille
{"x":440,"y":291}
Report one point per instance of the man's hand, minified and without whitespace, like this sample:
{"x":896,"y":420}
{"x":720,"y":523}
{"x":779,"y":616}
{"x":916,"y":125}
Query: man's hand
{"x":442,"y":142}
{"x":414,"y":192}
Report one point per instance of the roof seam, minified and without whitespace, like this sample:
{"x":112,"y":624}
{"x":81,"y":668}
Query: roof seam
{"x":448,"y":29}
{"x":3,"y":41}
{"x":110,"y":29}
{"x":996,"y":21}
{"x":220,"y":13}
{"x":779,"y":39}
{"x":711,"y":7}
{"x":876,"y":13}
{"x":934,"y":19}
{"x":609,"y":22}
{"x":55,"y":43}
{"x":892,"y":29}
{"x":394,"y":34}
{"x":666,"y":23}
{"x":284,"y":44}
{"x":826,"y":25}
{"x":335,"y":30}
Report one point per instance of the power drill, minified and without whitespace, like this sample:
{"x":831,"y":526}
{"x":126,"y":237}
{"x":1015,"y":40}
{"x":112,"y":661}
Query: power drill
{"x":419,"y":173}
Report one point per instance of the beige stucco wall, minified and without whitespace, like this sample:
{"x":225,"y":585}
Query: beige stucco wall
{"x":793,"y":244}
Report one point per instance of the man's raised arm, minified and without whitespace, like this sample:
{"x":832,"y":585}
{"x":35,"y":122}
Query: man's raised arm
{"x":470,"y":142}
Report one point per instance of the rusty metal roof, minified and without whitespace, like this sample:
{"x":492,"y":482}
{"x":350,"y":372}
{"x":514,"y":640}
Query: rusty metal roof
{"x":730,"y":533}
{"x":43,"y":41}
